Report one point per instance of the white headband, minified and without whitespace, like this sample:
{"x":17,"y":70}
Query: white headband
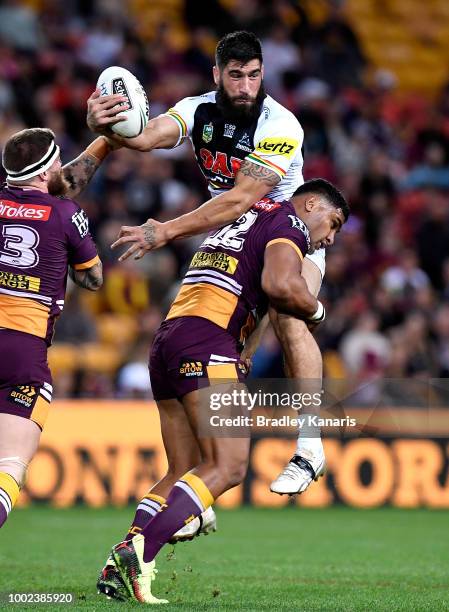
{"x":34,"y":169}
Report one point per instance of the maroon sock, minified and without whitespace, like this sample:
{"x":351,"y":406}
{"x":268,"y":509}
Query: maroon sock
{"x":3,"y":515}
{"x":188,"y":499}
{"x":148,"y":507}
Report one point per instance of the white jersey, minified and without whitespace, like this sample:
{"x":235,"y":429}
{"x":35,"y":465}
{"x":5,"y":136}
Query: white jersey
{"x":273,"y":141}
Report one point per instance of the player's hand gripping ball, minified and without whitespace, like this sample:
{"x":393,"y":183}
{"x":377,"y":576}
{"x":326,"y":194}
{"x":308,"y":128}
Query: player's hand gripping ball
{"x":127,"y":117}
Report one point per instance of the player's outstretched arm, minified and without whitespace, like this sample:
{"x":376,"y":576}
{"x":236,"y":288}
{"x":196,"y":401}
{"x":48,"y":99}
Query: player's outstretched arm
{"x":79,"y":172}
{"x":285,"y":287}
{"x":252,"y":183}
{"x":252,"y":343}
{"x":160,"y":133}
{"x":90,"y":278}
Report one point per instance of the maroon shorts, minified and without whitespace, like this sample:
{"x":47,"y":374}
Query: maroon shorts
{"x":25,"y":378}
{"x":189,"y":353}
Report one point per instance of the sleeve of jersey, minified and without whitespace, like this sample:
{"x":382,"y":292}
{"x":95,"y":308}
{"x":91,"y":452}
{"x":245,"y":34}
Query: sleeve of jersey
{"x":277,"y":145}
{"x":81,"y":247}
{"x":183,"y":113}
{"x":286,"y":231}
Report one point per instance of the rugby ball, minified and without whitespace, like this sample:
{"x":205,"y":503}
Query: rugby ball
{"x":117,"y":80}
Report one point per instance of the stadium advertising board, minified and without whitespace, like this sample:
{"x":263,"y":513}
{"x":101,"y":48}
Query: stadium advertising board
{"x":100,"y":453}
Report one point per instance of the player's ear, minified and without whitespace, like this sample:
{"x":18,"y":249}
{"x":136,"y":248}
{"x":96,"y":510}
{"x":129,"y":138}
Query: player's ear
{"x":310,"y":203}
{"x":216,"y":73}
{"x":262,"y":70}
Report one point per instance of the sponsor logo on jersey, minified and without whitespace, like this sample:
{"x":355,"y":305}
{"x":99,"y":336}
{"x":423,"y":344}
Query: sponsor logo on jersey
{"x":81,"y":222}
{"x":229,"y":130}
{"x":277,"y":146}
{"x":29,"y":212}
{"x":245,"y":143}
{"x":217,"y":260}
{"x":218,"y":163}
{"x":19,"y":281}
{"x":119,"y":87}
{"x":189,"y":368}
{"x":24,"y":395}
{"x":208,"y":131}
{"x":301,"y":226}
{"x":267,"y":205}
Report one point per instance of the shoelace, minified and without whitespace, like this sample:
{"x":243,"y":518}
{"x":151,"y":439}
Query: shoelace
{"x":292,"y":470}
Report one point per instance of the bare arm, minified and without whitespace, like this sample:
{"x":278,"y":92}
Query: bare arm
{"x":252,"y":183}
{"x":90,"y":278}
{"x":79,"y":172}
{"x":160,"y":133}
{"x":252,"y":343}
{"x":282,"y":282}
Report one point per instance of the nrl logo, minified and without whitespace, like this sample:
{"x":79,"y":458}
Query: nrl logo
{"x":208,"y":130}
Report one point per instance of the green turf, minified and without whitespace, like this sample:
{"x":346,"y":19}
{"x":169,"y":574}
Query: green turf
{"x":261,"y":559}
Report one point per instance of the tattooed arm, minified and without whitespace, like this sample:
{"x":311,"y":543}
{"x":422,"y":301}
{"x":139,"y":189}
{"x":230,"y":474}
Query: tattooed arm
{"x":252,"y":183}
{"x":78,"y":172}
{"x":91,"y":278}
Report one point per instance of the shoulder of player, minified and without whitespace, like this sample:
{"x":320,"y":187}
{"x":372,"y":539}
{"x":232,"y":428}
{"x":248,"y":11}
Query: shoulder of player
{"x":284,"y":214}
{"x":64,"y":208}
{"x":273,"y":111}
{"x":192,"y":102}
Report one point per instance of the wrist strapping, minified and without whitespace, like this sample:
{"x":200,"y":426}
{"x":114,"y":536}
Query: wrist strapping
{"x":99,"y":148}
{"x":319,"y":314}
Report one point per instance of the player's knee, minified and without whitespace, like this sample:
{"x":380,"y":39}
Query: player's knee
{"x":15,"y":467}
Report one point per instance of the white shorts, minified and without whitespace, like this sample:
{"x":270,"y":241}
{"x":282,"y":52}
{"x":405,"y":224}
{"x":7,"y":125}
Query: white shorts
{"x":319,"y":259}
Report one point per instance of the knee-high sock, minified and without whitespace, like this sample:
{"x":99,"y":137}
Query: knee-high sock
{"x":148,"y":507}
{"x":188,"y":498}
{"x":9,"y":492}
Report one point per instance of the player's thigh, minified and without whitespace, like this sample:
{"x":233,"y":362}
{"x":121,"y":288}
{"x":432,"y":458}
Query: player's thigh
{"x":228,"y":448}
{"x":180,"y":443}
{"x":312,"y":275}
{"x":291,"y":330}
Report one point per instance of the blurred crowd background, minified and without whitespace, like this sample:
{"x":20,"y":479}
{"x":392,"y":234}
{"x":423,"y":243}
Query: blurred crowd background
{"x":368,"y":81}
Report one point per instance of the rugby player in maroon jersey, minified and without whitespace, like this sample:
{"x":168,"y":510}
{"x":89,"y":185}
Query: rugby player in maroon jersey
{"x":43,"y":237}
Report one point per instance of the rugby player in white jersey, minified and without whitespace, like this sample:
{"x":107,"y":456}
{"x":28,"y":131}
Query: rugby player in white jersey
{"x":248,"y":147}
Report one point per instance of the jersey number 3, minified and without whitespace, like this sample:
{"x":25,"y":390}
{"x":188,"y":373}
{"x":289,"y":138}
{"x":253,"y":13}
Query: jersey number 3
{"x":232,"y":236}
{"x":19,"y":246}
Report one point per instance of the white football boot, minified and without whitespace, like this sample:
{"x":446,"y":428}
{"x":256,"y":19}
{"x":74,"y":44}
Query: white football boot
{"x":306,"y":465}
{"x":203,"y":524}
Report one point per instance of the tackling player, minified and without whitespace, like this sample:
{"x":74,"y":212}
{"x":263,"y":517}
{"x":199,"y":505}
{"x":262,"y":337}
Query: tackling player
{"x":237,"y":272}
{"x":41,"y":237}
{"x":248,"y":146}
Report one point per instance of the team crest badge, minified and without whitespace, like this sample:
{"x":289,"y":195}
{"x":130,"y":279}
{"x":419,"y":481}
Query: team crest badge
{"x":208,"y":130}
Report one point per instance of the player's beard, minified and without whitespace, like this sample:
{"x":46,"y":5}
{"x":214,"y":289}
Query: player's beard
{"x":57,"y":184}
{"x":239,"y":112}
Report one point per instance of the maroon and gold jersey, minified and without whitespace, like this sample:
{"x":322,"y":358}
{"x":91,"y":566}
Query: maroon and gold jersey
{"x":40,"y":236}
{"x":223,"y":282}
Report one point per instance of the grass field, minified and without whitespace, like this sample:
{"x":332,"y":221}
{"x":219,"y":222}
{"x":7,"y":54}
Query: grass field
{"x":261,"y":559}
